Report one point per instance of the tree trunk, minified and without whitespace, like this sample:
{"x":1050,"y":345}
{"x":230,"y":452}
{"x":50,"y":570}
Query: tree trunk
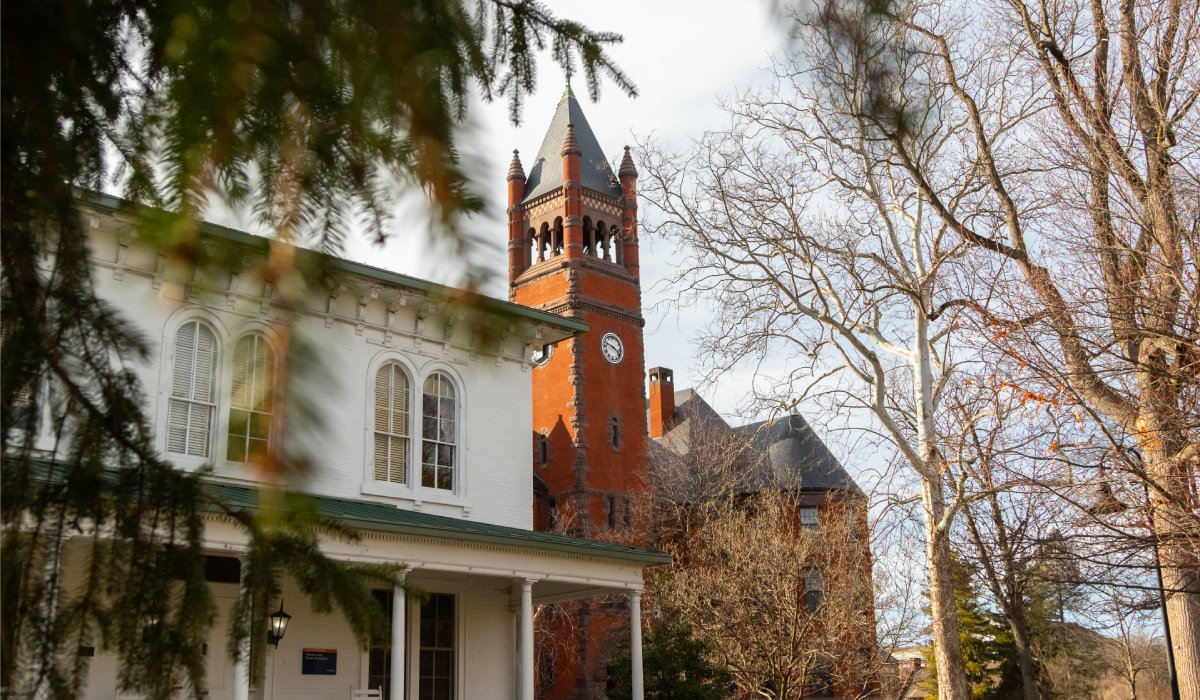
{"x":1182,"y":589}
{"x":943,"y":611}
{"x":1020,"y":630}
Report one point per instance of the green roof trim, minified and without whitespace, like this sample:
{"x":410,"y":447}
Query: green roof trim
{"x":382,"y":517}
{"x":572,"y":325}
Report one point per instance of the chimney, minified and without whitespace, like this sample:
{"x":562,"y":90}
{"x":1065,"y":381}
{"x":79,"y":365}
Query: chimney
{"x":662,"y":401}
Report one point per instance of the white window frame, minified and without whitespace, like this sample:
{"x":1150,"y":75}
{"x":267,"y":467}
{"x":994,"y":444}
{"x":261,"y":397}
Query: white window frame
{"x":373,"y":428}
{"x":216,"y":442}
{"x":413,"y":490}
{"x":413,"y":634}
{"x":455,"y":466}
{"x":225,"y":407}
{"x":227,"y":339}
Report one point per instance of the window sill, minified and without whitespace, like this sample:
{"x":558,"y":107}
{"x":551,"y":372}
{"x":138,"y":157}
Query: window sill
{"x":417,"y":496}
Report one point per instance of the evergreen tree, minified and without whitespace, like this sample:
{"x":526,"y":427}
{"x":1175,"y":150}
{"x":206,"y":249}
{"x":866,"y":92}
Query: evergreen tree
{"x":312,"y":114}
{"x":675,"y":665}
{"x":989,"y":653}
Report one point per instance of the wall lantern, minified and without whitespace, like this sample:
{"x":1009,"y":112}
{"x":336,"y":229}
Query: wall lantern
{"x":277,"y":625}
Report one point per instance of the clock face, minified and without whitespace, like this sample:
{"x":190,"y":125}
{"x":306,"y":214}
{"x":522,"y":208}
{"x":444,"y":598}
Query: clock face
{"x":612,"y":348}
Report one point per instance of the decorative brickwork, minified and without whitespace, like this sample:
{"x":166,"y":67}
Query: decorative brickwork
{"x":573,"y":252}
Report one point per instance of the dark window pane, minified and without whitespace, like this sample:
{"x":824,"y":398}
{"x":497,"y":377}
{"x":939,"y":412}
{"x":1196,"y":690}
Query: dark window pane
{"x":238,"y":422}
{"x":260,"y":425}
{"x":442,"y":661}
{"x":257,"y":447}
{"x":222,"y":569}
{"x":237,"y":448}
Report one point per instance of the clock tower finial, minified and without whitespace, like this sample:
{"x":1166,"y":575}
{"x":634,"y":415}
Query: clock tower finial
{"x":573,"y":250}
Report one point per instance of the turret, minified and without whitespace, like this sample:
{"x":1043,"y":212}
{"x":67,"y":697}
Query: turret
{"x":572,"y":206}
{"x":629,"y":234}
{"x":518,"y":247}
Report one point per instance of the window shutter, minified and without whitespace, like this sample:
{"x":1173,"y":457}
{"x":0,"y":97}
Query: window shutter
{"x":383,"y":398}
{"x":390,"y":461}
{"x":199,"y":421}
{"x":185,"y":356}
{"x":177,"y":420}
{"x":206,"y":365}
{"x":193,"y":388}
{"x":399,"y":395}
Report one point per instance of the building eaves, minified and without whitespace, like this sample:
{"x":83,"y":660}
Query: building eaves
{"x":498,"y":306}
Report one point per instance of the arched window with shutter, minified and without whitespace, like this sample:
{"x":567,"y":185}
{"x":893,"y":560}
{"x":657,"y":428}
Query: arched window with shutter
{"x":391,"y":424}
{"x":193,"y":390}
{"x":251,"y":402}
{"x":439,"y":436}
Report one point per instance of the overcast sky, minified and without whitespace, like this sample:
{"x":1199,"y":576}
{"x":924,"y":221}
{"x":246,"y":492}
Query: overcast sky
{"x":683,"y":56}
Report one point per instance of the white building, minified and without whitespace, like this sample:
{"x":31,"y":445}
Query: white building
{"x":425,"y":451}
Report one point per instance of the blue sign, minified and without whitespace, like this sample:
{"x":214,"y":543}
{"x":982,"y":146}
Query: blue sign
{"x":320,"y":662}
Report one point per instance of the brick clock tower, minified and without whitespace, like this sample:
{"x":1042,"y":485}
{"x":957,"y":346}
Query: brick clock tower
{"x":573,"y":251}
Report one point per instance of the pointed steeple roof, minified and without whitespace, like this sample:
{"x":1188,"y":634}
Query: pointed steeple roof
{"x":515,"y":171}
{"x":545,"y":172}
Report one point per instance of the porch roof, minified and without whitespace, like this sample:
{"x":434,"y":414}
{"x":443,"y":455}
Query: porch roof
{"x":382,"y":517}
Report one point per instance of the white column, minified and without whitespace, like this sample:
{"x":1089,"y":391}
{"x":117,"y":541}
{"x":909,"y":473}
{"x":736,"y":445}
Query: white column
{"x":399,"y":646}
{"x":635,"y":644}
{"x":526,"y":639}
{"x":241,"y":669}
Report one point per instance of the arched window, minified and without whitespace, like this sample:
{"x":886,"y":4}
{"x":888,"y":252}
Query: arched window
{"x":193,"y":390}
{"x":614,"y":432}
{"x":614,"y":241}
{"x":543,"y":242}
{"x":602,"y":241}
{"x":590,"y":246}
{"x":531,"y":244}
{"x":438,"y":432}
{"x":542,"y":446}
{"x":557,"y":248}
{"x":251,"y":404}
{"x":391,"y":424}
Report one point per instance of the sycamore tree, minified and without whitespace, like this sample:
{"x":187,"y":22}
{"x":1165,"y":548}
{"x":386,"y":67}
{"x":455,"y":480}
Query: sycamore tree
{"x":1028,"y":166}
{"x":830,"y":276}
{"x":315,"y":115}
{"x":1078,"y":168}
